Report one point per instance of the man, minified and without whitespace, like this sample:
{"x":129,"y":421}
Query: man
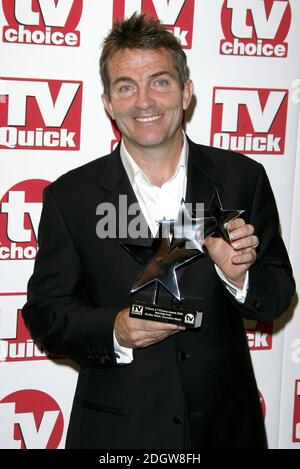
{"x":145,"y":384}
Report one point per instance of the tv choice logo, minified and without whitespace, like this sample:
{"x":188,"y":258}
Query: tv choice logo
{"x":249,"y":120}
{"x":20,"y":211}
{"x":255,"y":28}
{"x":21,"y":347}
{"x":40,"y":114}
{"x":176,"y":15}
{"x":42,"y":22}
{"x":296,"y":416}
{"x":259,"y":335}
{"x":30,"y":419}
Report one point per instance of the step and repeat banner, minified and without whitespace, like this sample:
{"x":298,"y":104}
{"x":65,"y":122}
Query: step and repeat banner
{"x":244,"y":60}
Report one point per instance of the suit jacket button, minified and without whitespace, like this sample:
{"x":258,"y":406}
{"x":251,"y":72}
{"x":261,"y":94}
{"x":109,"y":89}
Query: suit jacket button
{"x":177,"y":419}
{"x":258,"y":306}
{"x":183,"y":356}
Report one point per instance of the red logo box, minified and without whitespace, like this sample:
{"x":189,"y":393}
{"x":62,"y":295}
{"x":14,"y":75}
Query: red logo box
{"x":260,"y":336}
{"x":42,"y":22}
{"x":30,"y":419}
{"x":177,"y":15}
{"x":20,"y":211}
{"x":255,"y":28}
{"x":40,"y":114}
{"x":296,"y":418}
{"x":249,"y":120}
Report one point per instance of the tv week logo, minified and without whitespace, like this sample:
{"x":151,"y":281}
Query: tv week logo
{"x":255,"y":27}
{"x":40,"y":114}
{"x":177,"y":15}
{"x":296,"y":419}
{"x":249,"y":120}
{"x":20,"y":211}
{"x":50,"y":22}
{"x":30,"y":419}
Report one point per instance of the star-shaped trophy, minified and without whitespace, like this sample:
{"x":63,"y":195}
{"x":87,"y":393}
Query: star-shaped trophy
{"x":178,"y":242}
{"x":221,"y":216}
{"x":188,"y":231}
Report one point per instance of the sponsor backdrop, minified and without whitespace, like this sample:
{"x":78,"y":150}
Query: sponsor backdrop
{"x":244,"y":60}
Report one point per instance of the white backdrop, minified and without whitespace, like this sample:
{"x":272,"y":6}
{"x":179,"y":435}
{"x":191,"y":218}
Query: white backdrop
{"x":245,"y":63}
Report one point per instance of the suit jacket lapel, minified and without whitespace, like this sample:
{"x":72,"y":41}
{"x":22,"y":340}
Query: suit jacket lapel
{"x":201,"y":177}
{"x":121,"y":195}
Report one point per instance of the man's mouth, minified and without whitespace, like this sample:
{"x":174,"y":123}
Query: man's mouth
{"x":148,"y":119}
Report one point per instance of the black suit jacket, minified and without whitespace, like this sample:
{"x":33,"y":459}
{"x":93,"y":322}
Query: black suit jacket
{"x":196,"y":388}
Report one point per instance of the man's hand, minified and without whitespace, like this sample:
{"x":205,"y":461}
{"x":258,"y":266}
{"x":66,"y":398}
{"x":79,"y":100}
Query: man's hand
{"x":234,"y":260}
{"x":139,"y":333}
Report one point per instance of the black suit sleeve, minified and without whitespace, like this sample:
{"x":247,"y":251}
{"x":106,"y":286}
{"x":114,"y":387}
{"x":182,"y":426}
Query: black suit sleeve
{"x":54,"y":314}
{"x":271,"y":283}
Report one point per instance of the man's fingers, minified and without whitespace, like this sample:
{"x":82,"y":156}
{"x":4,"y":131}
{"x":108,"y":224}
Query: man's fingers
{"x":244,"y":243}
{"x":236,"y":223}
{"x":247,"y":256}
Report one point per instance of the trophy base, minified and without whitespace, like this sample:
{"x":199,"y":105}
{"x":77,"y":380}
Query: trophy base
{"x":152,"y":312}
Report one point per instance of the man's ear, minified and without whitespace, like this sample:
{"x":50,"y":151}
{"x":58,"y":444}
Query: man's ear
{"x":107,"y":104}
{"x":188,"y":92}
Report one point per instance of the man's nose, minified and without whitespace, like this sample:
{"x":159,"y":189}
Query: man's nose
{"x":144,"y":98}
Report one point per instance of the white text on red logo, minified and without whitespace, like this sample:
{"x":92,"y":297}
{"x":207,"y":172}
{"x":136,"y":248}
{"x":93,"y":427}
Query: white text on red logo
{"x":40,"y":114}
{"x":255,"y":27}
{"x":30,"y":419}
{"x":177,"y":15}
{"x":259,"y":336}
{"x":20,"y":211}
{"x":42,"y":22}
{"x":249,"y":120}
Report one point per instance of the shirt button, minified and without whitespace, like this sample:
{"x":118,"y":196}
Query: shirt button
{"x":177,"y":419}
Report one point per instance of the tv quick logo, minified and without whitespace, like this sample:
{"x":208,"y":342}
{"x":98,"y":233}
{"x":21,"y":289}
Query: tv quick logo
{"x":43,"y":22}
{"x":259,"y":335}
{"x":255,"y":28}
{"x":20,"y":211}
{"x":20,"y":347}
{"x":296,"y":416}
{"x":249,"y":120}
{"x":40,"y":114}
{"x":177,"y":15}
{"x":30,"y":419}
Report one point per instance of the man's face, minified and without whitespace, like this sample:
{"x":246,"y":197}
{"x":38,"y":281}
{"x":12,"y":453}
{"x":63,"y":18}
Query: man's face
{"x":146,"y":98}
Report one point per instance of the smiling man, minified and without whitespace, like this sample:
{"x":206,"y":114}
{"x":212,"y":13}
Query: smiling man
{"x":147,"y":384}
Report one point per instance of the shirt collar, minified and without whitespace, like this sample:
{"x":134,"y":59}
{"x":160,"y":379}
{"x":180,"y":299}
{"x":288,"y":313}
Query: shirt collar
{"x":133,"y":170}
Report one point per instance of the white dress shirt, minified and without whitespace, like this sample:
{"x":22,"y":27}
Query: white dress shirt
{"x":157,"y":203}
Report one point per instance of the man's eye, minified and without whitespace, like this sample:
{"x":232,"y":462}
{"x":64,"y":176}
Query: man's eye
{"x":125,"y":89}
{"x":161,"y":82}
